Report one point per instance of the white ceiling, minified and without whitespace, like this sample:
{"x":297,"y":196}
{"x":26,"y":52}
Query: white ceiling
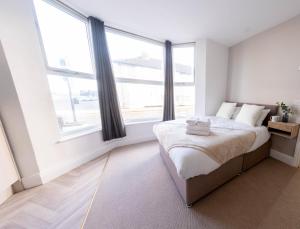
{"x":225,"y":21}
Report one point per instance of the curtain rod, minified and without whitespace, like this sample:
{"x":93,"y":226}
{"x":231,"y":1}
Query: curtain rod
{"x":67,"y":7}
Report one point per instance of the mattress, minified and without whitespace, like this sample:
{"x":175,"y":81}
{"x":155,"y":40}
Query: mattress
{"x":190,"y":162}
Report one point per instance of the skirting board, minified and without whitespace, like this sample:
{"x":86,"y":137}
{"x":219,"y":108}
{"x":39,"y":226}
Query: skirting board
{"x":284,"y":158}
{"x":54,"y":172}
{"x":32,"y":181}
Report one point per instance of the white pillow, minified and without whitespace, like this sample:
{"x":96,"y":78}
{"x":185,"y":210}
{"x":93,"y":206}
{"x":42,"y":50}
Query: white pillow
{"x":236,"y":112}
{"x":226,"y":110}
{"x":263,"y":115}
{"x":249,"y":114}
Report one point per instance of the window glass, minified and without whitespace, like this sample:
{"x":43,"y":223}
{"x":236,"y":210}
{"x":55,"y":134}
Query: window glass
{"x":133,"y":58}
{"x":184,"y":86}
{"x":65,"y":38}
{"x":140,"y":101}
{"x":75,"y":101}
{"x":139,"y":73}
{"x":184,"y":101}
{"x":70,"y":75}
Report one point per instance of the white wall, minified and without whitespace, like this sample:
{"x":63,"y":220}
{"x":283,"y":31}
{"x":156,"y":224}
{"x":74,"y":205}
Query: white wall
{"x":14,"y":123}
{"x":200,"y":77}
{"x":211,"y":76}
{"x":8,"y":170}
{"x":216,"y":74}
{"x":265,"y":68}
{"x":23,"y":52}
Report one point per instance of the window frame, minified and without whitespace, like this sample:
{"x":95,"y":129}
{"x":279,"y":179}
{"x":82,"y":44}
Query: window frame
{"x":184,"y":84}
{"x":139,"y":81}
{"x":68,"y":72}
{"x":141,"y":38}
{"x":192,"y":44}
{"x":92,"y":76}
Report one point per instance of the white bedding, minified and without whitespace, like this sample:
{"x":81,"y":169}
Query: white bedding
{"x":190,"y":162}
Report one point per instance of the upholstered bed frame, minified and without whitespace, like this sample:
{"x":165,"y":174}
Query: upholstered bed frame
{"x":197,"y":187}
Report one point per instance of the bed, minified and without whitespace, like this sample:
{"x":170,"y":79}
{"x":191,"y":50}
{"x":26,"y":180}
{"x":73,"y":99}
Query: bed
{"x":201,"y":175}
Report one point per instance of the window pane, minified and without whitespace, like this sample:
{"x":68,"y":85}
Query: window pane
{"x":64,"y":37}
{"x":140,"y":101}
{"x":75,"y":101}
{"x":183,"y":58}
{"x":138,"y":68}
{"x":184,"y":101}
{"x":184,"y":88}
{"x":135,"y":59}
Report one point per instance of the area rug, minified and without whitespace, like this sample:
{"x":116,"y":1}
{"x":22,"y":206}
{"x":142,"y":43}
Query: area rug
{"x":137,"y":192}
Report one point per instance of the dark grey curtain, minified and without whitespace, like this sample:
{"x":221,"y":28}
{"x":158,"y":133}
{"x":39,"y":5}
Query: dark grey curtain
{"x":169,"y":113}
{"x":112,"y":123}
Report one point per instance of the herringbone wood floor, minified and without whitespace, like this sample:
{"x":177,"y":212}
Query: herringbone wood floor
{"x":61,"y":203}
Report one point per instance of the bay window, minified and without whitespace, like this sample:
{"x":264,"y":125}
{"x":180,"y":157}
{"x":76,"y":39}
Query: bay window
{"x":71,"y":76}
{"x":184,"y":80}
{"x":138,"y":69}
{"x":137,"y":62}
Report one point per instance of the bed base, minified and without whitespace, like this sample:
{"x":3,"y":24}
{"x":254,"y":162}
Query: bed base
{"x":253,"y":158}
{"x":193,"y":189}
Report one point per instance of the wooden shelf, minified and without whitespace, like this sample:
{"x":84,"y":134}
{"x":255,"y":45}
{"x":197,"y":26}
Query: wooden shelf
{"x":283,"y":129}
{"x":281,"y":135}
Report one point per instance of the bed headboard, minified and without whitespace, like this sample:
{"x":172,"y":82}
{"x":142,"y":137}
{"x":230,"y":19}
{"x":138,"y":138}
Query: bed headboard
{"x":273,"y":108}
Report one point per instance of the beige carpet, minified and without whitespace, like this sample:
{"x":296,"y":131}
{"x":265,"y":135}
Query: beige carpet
{"x":136,"y":191}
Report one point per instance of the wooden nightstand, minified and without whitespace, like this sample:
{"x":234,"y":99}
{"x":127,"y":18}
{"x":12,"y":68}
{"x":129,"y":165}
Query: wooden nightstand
{"x":284,"y":141}
{"x":284,"y":129}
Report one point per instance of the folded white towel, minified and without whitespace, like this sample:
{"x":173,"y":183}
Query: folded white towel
{"x":198,"y":128}
{"x":198,"y":121}
{"x":199,"y":133}
{"x":199,"y":124}
{"x":198,"y":118}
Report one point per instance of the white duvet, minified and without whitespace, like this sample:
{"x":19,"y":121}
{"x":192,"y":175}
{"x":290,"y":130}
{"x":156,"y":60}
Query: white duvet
{"x":190,"y":162}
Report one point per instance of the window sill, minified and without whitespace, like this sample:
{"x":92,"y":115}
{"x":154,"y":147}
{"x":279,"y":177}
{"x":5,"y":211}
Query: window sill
{"x":81,"y":133}
{"x":78,"y":134}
